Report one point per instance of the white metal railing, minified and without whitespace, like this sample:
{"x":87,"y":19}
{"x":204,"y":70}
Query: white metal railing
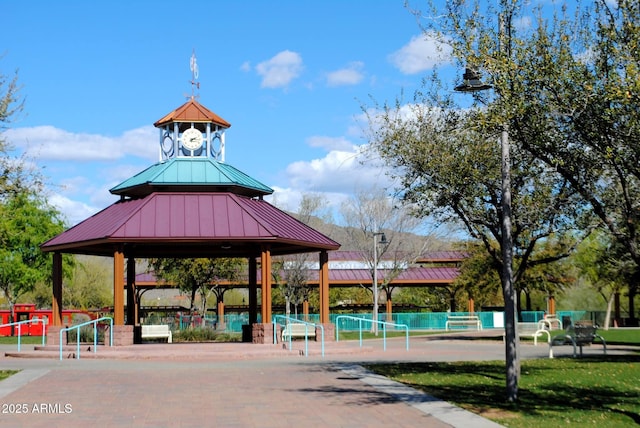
{"x":95,"y":334}
{"x":384,"y":329}
{"x":19,"y":324}
{"x":306,"y":338}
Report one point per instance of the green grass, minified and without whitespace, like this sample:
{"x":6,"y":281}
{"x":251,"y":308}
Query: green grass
{"x":6,"y":373}
{"x":621,"y":336}
{"x":25,"y":340}
{"x":602,"y":391}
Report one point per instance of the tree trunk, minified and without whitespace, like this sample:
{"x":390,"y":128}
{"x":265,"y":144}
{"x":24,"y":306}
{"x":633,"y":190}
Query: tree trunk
{"x":607,"y":316}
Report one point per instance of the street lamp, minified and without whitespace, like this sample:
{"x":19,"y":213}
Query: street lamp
{"x":383,"y":241}
{"x":472,"y":83}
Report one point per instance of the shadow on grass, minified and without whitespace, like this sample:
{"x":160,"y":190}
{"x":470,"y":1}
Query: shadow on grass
{"x":598,"y":383}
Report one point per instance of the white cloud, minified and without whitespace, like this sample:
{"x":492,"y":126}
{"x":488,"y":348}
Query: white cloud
{"x":338,"y":172}
{"x":351,"y":75}
{"x":422,"y":53}
{"x":73,"y":210}
{"x":288,"y":199}
{"x":245,"y":66}
{"x":50,"y":143}
{"x":330,"y":143}
{"x":280,"y":70}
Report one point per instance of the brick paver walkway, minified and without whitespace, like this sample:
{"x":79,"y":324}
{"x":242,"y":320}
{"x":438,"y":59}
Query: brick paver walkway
{"x":227,"y":385}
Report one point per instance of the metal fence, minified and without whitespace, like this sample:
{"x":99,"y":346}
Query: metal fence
{"x":420,"y":320}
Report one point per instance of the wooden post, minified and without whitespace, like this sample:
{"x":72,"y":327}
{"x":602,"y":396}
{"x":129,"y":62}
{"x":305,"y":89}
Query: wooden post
{"x":118,"y":287}
{"x":265,"y":267}
{"x":132,"y":306}
{"x":253,"y":290}
{"x":552,"y":305}
{"x":389,"y":310}
{"x":220,"y":325}
{"x":56,"y":303}
{"x":323,"y":285}
{"x":472,"y":305}
{"x":305,"y":310}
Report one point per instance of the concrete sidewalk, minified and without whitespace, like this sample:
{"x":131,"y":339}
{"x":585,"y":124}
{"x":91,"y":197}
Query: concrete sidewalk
{"x":236,"y":385}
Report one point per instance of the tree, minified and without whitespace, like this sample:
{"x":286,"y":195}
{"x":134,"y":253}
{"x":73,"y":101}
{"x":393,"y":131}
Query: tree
{"x":195,"y":275}
{"x":605,"y":263}
{"x":26,"y":218}
{"x":295,"y":268}
{"x":26,"y":221}
{"x":587,"y":124}
{"x":448,"y":161}
{"x":373,"y":212}
{"x":89,"y":285}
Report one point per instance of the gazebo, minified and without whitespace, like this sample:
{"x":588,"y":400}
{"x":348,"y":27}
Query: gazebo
{"x":190,"y":204}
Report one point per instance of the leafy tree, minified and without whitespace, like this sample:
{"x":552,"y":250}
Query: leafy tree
{"x":448,"y":159}
{"x":26,"y":218}
{"x":587,"y":126}
{"x":26,"y":221}
{"x":196,"y":275}
{"x":606,"y":264}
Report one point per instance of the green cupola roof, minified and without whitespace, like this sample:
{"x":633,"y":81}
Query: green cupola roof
{"x":191,"y":175}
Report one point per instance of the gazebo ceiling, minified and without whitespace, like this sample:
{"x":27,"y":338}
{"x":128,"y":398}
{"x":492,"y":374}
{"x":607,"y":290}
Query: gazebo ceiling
{"x":187,"y":224}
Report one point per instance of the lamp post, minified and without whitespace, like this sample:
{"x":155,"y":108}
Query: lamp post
{"x":472,"y":83}
{"x":383,"y":240}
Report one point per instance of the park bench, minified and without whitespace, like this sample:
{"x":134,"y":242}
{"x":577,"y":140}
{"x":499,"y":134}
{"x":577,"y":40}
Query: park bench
{"x":463,"y":321}
{"x":156,"y":332}
{"x":292,"y":330}
{"x":583,"y":333}
{"x":551,"y":322}
{"x":534,"y":330}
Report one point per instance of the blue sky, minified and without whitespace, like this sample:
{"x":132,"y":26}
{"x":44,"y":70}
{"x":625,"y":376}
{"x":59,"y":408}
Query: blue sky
{"x":290,"y":76}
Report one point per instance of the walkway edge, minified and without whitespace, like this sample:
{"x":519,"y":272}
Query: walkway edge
{"x":20,"y":379}
{"x":442,"y":410}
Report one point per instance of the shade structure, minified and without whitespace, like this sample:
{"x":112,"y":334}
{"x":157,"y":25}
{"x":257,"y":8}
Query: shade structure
{"x":189,"y":205}
{"x":185,"y":224}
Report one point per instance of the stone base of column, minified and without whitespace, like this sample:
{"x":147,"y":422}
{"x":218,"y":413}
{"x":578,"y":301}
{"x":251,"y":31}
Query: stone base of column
{"x":329,"y":333}
{"x":122,"y":335}
{"x":53,"y":335}
{"x":262,"y":333}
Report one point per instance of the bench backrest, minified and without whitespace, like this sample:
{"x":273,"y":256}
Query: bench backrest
{"x":299,"y":328}
{"x":161,"y":328}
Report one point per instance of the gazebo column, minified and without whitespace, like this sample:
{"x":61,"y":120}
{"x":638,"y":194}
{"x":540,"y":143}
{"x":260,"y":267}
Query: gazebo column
{"x":253,"y":290}
{"x":247,"y":330}
{"x":263,"y":332}
{"x":55,"y":323}
{"x":132,"y":304}
{"x":122,"y":334}
{"x":323,"y":286}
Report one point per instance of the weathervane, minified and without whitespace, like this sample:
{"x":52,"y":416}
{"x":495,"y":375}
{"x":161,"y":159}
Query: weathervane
{"x":193,"y":65}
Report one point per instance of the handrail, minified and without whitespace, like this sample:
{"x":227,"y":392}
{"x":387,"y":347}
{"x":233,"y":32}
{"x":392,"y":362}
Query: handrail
{"x":19,"y":323}
{"x":306,"y":336}
{"x":384,"y":330}
{"x":95,"y":334}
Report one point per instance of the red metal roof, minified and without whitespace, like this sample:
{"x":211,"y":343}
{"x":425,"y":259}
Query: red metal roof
{"x":414,"y":276}
{"x":192,"y":111}
{"x":193,"y":225}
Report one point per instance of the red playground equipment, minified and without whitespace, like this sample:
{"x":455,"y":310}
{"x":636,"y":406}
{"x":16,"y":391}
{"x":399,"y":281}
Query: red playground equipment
{"x":28,"y":311}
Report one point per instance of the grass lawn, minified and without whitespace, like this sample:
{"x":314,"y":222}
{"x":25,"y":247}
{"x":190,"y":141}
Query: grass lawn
{"x":25,"y":340}
{"x":601,"y":391}
{"x":6,"y":373}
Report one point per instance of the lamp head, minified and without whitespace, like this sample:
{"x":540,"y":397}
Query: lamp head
{"x":471,"y":82}
{"x":383,"y":239}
